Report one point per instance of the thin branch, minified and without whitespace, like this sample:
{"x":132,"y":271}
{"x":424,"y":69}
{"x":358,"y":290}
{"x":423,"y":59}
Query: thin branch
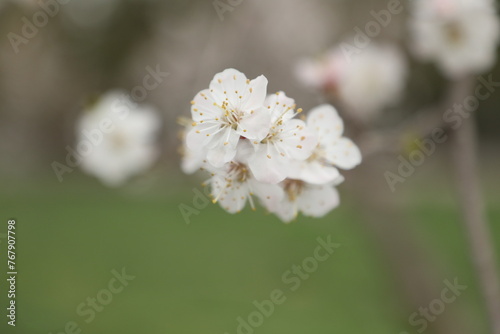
{"x":464,"y":160}
{"x":463,"y":142}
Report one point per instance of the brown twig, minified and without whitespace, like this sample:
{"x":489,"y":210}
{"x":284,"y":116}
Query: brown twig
{"x":413,"y":271}
{"x":391,"y":141}
{"x":464,"y":159}
{"x":463,"y":142}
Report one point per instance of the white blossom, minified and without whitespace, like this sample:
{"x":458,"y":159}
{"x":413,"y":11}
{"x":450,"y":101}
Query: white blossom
{"x":366,"y":82}
{"x":373,"y":80}
{"x":460,"y":36}
{"x":309,"y":199}
{"x":288,"y":140}
{"x":322,"y":73}
{"x":233,"y":184}
{"x":332,"y":151}
{"x":254,"y":147}
{"x":120,"y":138}
{"x":228,"y":110}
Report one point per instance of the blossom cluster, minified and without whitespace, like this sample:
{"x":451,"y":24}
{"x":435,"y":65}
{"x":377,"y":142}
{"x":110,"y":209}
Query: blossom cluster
{"x":252,"y":144}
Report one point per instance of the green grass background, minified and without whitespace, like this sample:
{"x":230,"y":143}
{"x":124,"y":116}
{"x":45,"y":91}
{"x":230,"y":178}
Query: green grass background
{"x":199,"y":278}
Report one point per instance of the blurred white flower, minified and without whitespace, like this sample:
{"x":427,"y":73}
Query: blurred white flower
{"x":230,"y":108}
{"x":333,"y":151}
{"x":322,"y":73}
{"x":366,"y":83}
{"x":460,"y":36}
{"x":119,"y":138}
{"x":373,"y":79}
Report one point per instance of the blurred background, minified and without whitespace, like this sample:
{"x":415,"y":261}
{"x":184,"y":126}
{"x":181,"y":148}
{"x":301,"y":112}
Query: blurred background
{"x":200,"y":277}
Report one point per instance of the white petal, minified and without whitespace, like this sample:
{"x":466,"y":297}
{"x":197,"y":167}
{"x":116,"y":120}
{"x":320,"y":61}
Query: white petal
{"x":317,"y":201}
{"x":338,"y":181}
{"x":270,"y":195}
{"x":267,"y":165}
{"x":280,"y":106}
{"x":192,"y":160}
{"x":232,"y":198}
{"x":343,"y":153}
{"x":245,"y":151}
{"x":255,"y":94}
{"x":233,"y":87}
{"x":286,"y":210}
{"x":325,"y":122}
{"x":298,"y":141}
{"x":229,"y":84}
{"x":225,"y":150}
{"x":201,"y":135}
{"x":255,"y":126}
{"x":313,"y":172}
{"x":203,"y":108}
{"x":230,"y":138}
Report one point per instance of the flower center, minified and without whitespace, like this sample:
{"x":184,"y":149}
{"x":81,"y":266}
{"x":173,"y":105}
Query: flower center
{"x":118,"y":140}
{"x":231,"y":116}
{"x":293,"y":188}
{"x":273,"y":134}
{"x":318,"y":155}
{"x":239,"y":171}
{"x":454,"y":33}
